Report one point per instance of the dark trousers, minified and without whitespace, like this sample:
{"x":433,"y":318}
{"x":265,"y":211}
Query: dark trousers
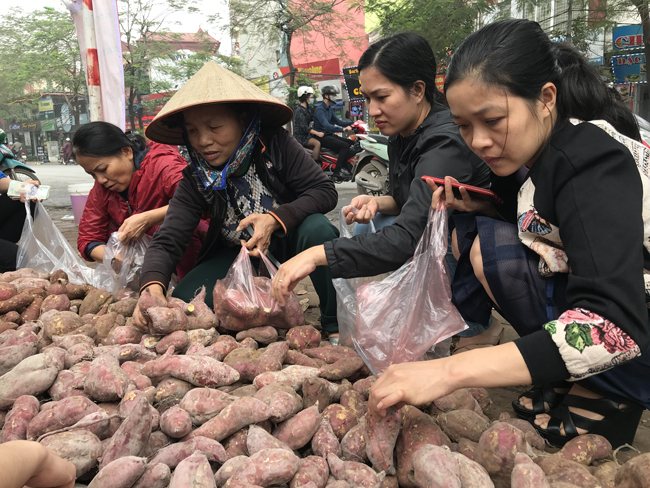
{"x":340,"y":145}
{"x":314,"y":231}
{"x":12,"y":219}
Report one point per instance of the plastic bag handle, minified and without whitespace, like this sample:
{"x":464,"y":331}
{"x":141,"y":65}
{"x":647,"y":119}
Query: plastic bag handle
{"x":343,"y":227}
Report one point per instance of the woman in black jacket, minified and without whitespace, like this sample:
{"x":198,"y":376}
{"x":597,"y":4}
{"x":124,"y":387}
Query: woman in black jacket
{"x":564,"y":263}
{"x":303,"y":121}
{"x":253,"y":179}
{"x":398,"y":80}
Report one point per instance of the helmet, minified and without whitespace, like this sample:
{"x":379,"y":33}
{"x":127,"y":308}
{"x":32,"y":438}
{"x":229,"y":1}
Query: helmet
{"x":67,"y":138}
{"x":3,"y":137}
{"x":330,"y":90}
{"x":305,"y":89}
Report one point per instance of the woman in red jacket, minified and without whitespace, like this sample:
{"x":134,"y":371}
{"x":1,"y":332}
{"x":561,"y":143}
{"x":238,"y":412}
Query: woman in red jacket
{"x":134,"y":185}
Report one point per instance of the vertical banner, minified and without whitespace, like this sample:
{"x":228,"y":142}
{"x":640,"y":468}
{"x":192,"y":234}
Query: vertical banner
{"x":103,"y":64}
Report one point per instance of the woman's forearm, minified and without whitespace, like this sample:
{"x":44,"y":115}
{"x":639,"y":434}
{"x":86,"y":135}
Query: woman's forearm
{"x":97,"y":254}
{"x":4,"y":185}
{"x":387,"y":205}
{"x":19,"y":460}
{"x":156,"y":216}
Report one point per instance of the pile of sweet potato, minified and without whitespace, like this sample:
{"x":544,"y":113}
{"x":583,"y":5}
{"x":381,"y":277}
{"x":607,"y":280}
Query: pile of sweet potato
{"x":189,"y":404}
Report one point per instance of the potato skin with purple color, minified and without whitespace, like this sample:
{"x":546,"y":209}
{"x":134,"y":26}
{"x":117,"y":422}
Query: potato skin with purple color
{"x":25,"y":408}
{"x":268,"y":467}
{"x":303,"y":337}
{"x":299,"y":430}
{"x":459,"y":424}
{"x":173,"y":454}
{"x":243,"y":412}
{"x":312,"y":469}
{"x":132,"y":436}
{"x":175,"y":422}
{"x":381,"y":436}
{"x":325,"y":441}
{"x":341,"y":418}
{"x":193,"y":472}
{"x":205,"y":403}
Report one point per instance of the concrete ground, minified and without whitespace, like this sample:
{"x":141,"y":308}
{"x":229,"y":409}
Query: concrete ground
{"x":58,"y":205}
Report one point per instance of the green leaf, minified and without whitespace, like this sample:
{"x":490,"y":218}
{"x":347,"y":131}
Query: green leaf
{"x":578,"y":336}
{"x":551,"y":327}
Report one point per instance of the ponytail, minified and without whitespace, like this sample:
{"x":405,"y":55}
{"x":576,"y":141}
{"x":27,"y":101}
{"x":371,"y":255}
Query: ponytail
{"x":519,"y":56}
{"x":101,"y":139}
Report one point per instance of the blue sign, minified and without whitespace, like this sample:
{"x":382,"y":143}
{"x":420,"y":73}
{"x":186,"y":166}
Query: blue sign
{"x":629,"y":68}
{"x":598,"y":60}
{"x":627,"y":37}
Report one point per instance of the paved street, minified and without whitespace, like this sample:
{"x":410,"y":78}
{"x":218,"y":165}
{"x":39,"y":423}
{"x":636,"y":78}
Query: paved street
{"x":58,"y":177}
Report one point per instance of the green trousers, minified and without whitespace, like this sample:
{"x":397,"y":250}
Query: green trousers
{"x":314,"y":231}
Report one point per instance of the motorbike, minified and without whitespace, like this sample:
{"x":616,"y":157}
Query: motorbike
{"x":14,"y":169}
{"x":371,"y":175}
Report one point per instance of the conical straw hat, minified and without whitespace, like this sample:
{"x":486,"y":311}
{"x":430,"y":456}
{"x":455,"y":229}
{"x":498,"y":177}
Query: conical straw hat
{"x":214,"y":84}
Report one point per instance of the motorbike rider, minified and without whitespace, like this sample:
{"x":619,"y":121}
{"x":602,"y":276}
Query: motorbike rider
{"x":67,"y":151}
{"x":326,"y":121}
{"x":303,"y":120}
{"x":17,"y":148}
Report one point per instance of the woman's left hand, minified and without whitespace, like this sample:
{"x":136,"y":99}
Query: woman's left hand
{"x":134,"y":227}
{"x":31,"y":182}
{"x":264,"y":225}
{"x":294,"y":270}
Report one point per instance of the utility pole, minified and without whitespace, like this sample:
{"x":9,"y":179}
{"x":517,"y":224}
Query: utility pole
{"x":569,"y":22}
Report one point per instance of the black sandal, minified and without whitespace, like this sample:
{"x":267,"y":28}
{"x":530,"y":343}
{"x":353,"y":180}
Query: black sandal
{"x":618,"y":425}
{"x":539,"y":396}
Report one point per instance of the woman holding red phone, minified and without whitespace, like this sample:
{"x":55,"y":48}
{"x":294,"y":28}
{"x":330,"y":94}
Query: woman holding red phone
{"x":398,"y":80}
{"x":562,"y":263}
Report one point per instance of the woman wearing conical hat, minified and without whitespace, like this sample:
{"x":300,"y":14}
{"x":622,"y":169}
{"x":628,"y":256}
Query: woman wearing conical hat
{"x":250,"y":176}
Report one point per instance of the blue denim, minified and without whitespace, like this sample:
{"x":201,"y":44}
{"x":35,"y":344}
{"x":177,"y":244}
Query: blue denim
{"x":379,"y":222}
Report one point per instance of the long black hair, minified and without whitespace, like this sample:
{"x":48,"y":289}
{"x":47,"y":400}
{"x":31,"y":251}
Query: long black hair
{"x":404,"y":59}
{"x":100,"y":139}
{"x":518,"y":56}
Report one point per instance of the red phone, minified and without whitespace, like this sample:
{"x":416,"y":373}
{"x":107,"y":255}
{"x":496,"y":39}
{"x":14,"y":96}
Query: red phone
{"x":474,"y":191}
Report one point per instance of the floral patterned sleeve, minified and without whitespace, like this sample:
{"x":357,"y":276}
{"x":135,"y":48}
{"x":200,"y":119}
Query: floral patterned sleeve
{"x":589,"y":343}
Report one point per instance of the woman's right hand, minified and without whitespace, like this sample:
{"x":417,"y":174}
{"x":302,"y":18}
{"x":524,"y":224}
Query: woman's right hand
{"x":367,"y":206}
{"x":138,"y":319}
{"x":464,"y":204}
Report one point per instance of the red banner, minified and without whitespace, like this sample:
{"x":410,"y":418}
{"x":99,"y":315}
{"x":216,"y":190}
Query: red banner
{"x":326,"y":69}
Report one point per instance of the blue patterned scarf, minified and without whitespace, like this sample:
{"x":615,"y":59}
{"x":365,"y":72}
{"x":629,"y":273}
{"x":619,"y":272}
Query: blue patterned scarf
{"x":215,"y":179}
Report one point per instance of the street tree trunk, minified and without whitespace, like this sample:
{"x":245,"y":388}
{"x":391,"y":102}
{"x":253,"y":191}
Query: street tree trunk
{"x":644,"y":13}
{"x":292,"y":73}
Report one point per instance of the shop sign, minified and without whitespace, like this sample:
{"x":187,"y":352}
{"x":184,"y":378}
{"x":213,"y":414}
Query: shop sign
{"x":49,"y":115}
{"x":45,"y":105}
{"x":440,"y":82}
{"x":48,"y":125}
{"x":627,"y":37}
{"x":352,"y":83}
{"x":629,"y":68}
{"x":317,"y":70}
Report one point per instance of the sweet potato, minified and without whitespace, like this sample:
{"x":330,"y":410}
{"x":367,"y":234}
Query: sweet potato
{"x":132,"y":436}
{"x":58,"y":275}
{"x":23,"y":284}
{"x":532,"y":436}
{"x":68,"y":383}
{"x":176,"y":422}
{"x":312,"y":469}
{"x":263,"y":335}
{"x":353,"y":445}
{"x":201,"y":317}
{"x":363,"y":385}
{"x":178,"y":340}
{"x":94,"y":301}
{"x":16,"y":302}
{"x":10,"y":356}
{"x":460,"y":399}
{"x":57,"y":323}
{"x":228,"y":468}
{"x":282,"y":400}
{"x":497,"y":449}
{"x":15,"y":427}
{"x":197,"y":370}
{"x":201,"y":336}
{"x":606,"y":474}
{"x":299,"y":359}
{"x":157,"y":441}
{"x":244,"y":411}
{"x":526,"y":474}
{"x":173,"y":454}
{"x":482,"y":396}
{"x":435,"y":467}
{"x":124,"y":307}
{"x":235,"y":445}
{"x":560,"y":470}
{"x":355,"y":473}
{"x":219,"y":350}
{"x":419,"y":429}
{"x":268,"y":467}
{"x":55,"y":302}
{"x":67,"y":341}
{"x":292,"y":375}
{"x":586,"y":449}
{"x":124,"y":334}
{"x":77,"y":353}
{"x":635,"y":473}
{"x":381,"y":436}
{"x":57,"y":288}
{"x":259,"y":439}
{"x":8,"y":326}
{"x":32,"y":376}
{"x":271,"y":358}
{"x":354,"y":401}
{"x":341,"y":418}
{"x":303,"y":337}
{"x":106,"y":381}
{"x":202,"y":404}
{"x":459,"y":424}
{"x":341,"y":368}
{"x":467,"y":448}
{"x":154,"y":476}
{"x":297,"y":431}
{"x":171,"y":391}
{"x":330,"y":354}
{"x":316,"y":391}
{"x":246,"y":390}
{"x":105,"y":324}
{"x":324,"y":441}
{"x":80,"y":447}
{"x":193,"y":472}
{"x":244,"y":361}
{"x":32,"y":312}
{"x":249,"y":342}
{"x":129,"y":402}
{"x":7,"y":290}
{"x":61,"y":414}
{"x":121,"y":473}
{"x":10,"y":276}
{"x":166,"y":320}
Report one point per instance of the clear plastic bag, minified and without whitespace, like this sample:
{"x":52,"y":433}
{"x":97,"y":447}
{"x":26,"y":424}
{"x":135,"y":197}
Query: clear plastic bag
{"x":124,"y":262}
{"x":242,"y":300}
{"x":403,"y":316}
